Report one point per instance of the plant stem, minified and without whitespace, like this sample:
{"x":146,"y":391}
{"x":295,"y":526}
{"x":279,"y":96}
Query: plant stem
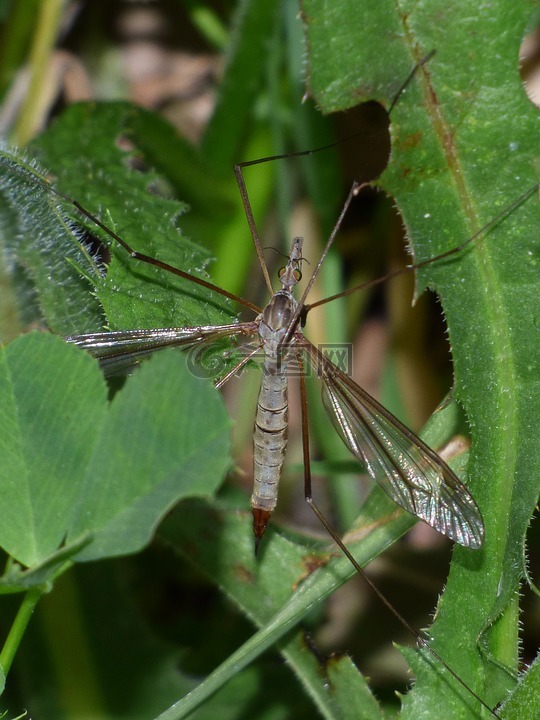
{"x":19,"y":626}
{"x":44,"y":40}
{"x":208,"y":24}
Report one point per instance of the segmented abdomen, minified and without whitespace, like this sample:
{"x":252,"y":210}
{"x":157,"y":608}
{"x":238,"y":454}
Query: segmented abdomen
{"x":269,"y":440}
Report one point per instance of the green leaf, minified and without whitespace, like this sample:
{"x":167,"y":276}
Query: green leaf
{"x":16,"y":579}
{"x":276,"y":591}
{"x":524,"y":702}
{"x":49,"y":410}
{"x":284,"y":586}
{"x":92,"y":673}
{"x":459,"y":159}
{"x":103,"y":177}
{"x":74,"y":466}
{"x":37,"y":235}
{"x":37,"y":240}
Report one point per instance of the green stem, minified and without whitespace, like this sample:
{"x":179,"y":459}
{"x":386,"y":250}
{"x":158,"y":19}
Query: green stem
{"x":43,"y":43}
{"x":19,"y":626}
{"x":14,"y":40}
{"x":208,"y":24}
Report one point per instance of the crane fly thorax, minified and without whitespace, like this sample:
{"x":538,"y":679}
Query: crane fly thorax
{"x":275,"y":321}
{"x":276,"y":317}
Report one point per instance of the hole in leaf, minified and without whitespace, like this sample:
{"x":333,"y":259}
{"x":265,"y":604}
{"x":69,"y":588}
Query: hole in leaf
{"x":529,"y":63}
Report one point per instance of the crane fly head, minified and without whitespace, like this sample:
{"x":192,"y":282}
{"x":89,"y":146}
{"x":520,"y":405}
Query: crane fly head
{"x":291,"y":274}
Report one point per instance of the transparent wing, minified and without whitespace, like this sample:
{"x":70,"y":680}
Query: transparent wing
{"x":118,"y":352}
{"x":409,"y":471}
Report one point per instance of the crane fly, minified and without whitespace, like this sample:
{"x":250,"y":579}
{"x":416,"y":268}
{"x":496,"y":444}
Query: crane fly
{"x":410,"y":472}
{"x":407,"y":469}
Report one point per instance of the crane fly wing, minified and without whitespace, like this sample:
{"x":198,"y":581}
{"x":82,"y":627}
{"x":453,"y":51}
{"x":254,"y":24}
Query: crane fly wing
{"x":409,"y":471}
{"x":118,"y":352}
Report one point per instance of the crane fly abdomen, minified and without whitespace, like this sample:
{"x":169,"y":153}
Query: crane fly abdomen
{"x":272,"y":418}
{"x":269,"y":445}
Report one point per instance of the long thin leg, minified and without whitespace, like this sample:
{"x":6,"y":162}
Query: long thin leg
{"x":423,"y":263}
{"x":308,"y":494}
{"x":409,"y":77}
{"x":251,"y":221}
{"x":339,"y":542}
{"x":353,"y":192}
{"x":159,"y":263}
{"x":238,"y":172}
{"x":237,"y":367}
{"x":146,"y":258}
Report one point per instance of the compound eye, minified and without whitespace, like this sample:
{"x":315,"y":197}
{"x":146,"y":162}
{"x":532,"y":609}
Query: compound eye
{"x":297,"y":274}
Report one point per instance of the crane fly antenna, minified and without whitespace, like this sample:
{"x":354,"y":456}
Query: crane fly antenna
{"x":300,"y":310}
